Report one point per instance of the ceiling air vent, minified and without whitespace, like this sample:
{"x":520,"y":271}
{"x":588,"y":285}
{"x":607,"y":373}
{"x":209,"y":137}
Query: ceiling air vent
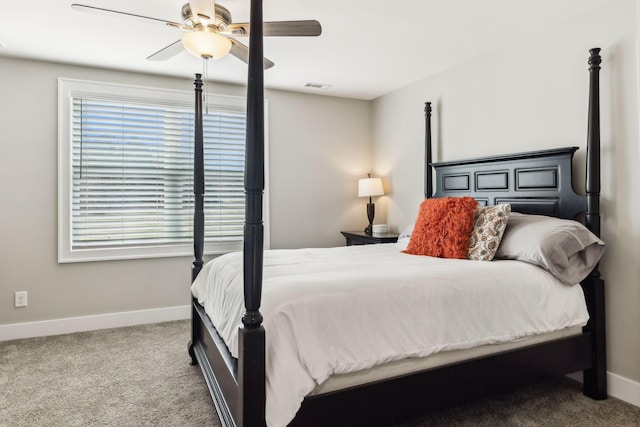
{"x":317,"y":85}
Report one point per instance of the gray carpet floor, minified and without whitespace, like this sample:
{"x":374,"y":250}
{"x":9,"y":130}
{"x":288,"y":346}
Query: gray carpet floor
{"x":140,"y":376}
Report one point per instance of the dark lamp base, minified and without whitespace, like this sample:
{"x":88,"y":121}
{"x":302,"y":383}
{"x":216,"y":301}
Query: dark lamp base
{"x":371,"y":211}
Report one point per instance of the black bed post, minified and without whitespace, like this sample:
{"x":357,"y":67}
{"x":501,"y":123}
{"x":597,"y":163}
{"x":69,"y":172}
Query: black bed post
{"x":595,"y":378}
{"x":428,"y":179}
{"x":593,"y":144}
{"x":198,"y":183}
{"x":198,"y":213}
{"x":251,"y":344}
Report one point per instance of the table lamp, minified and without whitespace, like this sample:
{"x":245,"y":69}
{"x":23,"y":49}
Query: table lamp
{"x":369,"y":187}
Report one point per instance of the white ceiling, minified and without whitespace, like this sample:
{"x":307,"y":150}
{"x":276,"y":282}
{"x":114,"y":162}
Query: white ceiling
{"x":367,"y":47}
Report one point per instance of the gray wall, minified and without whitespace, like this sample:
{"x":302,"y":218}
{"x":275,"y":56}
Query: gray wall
{"x":528,"y":95}
{"x":319,"y":145}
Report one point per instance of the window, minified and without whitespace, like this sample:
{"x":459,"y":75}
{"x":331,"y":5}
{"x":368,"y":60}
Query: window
{"x":126,"y":172}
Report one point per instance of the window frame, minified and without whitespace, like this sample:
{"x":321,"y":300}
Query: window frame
{"x":70,"y":88}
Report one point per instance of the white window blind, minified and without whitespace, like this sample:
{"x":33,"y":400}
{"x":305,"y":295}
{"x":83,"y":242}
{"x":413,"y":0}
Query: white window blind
{"x":131,"y":176}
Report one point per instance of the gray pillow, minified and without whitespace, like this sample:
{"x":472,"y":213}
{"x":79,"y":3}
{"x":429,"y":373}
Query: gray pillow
{"x":565,"y":248}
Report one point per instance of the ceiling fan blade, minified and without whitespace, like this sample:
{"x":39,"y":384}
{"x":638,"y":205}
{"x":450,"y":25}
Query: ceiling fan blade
{"x":203,"y":8}
{"x":100,"y":10}
{"x":241,"y":51}
{"x":309,"y":28}
{"x":167,"y":52}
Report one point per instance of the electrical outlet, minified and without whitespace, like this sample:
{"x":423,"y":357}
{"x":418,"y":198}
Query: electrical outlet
{"x":21,"y":299}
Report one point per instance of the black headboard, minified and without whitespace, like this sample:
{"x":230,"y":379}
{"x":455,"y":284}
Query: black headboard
{"x":536,"y":182}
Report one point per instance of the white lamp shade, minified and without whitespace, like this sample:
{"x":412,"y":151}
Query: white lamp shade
{"x":205,"y":44}
{"x":368,"y":187}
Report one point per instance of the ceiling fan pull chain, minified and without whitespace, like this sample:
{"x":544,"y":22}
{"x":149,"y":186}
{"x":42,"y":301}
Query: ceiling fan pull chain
{"x":205,"y":71}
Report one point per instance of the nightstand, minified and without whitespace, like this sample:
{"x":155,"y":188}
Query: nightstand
{"x":360,"y":238}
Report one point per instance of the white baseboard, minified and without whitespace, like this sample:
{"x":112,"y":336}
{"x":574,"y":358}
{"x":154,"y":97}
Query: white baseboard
{"x":623,"y":388}
{"x":619,"y":387}
{"x":91,"y":323}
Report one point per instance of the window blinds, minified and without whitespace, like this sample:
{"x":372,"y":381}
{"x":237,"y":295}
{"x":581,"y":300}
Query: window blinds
{"x":132,"y":173}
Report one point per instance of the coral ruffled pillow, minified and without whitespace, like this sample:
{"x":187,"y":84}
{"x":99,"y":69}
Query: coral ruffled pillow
{"x":443,"y":227}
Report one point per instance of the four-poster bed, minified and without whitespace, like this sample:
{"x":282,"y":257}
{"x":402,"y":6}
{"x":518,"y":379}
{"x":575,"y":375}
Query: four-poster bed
{"x":535,"y":182}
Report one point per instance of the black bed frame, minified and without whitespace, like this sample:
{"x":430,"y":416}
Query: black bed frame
{"x":533,"y":182}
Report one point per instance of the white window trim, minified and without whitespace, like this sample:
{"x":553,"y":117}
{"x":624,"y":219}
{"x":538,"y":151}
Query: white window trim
{"x":69,"y":88}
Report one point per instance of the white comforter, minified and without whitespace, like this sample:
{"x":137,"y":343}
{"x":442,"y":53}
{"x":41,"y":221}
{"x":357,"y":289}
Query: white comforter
{"x":338,"y":310}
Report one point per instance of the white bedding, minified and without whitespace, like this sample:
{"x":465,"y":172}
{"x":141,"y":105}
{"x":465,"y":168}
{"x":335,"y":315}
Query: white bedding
{"x":338,"y":310}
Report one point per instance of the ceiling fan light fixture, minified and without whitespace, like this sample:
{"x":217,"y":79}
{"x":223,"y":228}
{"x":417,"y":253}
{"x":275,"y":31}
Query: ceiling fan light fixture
{"x":206,"y":44}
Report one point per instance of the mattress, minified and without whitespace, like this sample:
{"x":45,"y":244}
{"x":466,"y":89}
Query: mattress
{"x":412,"y":365}
{"x":331,"y":312}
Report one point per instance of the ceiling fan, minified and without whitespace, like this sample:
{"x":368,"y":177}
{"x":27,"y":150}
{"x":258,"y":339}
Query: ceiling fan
{"x":210,"y":33}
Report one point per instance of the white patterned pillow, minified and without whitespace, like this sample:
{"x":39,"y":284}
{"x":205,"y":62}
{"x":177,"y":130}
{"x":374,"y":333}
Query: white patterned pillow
{"x":488,"y":227}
